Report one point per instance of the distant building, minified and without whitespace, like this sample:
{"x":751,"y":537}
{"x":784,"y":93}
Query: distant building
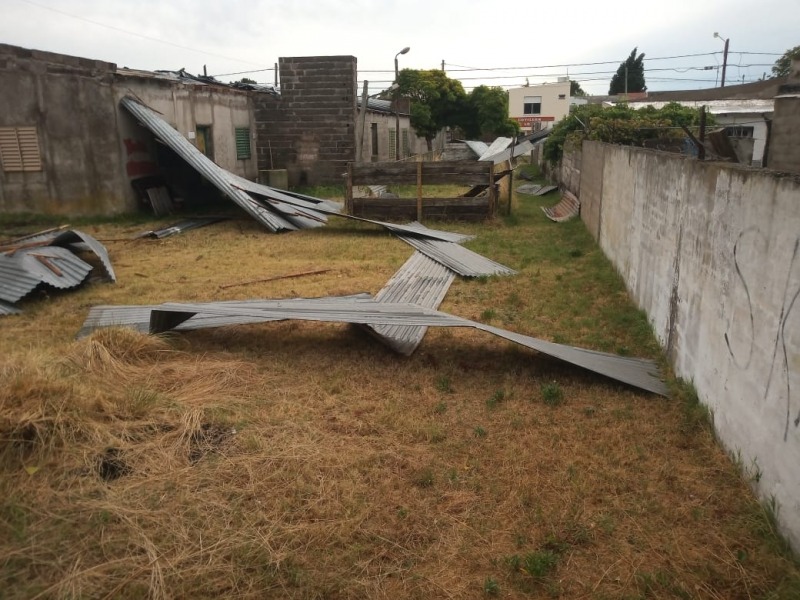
{"x":538,"y":107}
{"x":784,"y":145}
{"x":380,"y":125}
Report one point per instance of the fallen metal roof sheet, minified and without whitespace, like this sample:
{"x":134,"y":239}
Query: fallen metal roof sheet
{"x":55,"y":266}
{"x":8,"y":309}
{"x":528,"y":188}
{"x":137,"y":316}
{"x":479,"y":148}
{"x":504,"y":155}
{"x":203,"y":165}
{"x":463,"y":261}
{"x":641,"y":373}
{"x":498,"y":145}
{"x":180,"y":227}
{"x":47,"y":258}
{"x":84,"y":241}
{"x":421,"y":281}
{"x":567,"y":208}
{"x":546,"y":189}
{"x":15,"y":279}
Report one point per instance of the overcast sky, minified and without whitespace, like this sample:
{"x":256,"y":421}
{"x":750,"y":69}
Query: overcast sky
{"x":230,"y":36}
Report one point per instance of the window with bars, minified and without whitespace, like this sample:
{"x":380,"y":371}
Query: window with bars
{"x":19,"y":149}
{"x":243,"y":143}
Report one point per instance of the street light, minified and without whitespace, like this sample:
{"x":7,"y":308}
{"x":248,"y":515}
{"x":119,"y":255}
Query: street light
{"x":724,"y":57}
{"x":396,"y":111}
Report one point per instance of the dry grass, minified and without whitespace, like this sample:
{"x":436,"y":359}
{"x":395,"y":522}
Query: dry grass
{"x":305,"y":460}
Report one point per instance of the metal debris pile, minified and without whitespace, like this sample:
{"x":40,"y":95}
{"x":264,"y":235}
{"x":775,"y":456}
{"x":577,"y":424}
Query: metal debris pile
{"x":48,"y":259}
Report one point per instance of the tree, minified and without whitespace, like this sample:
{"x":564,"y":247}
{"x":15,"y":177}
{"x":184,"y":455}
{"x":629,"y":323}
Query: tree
{"x":784,"y":63}
{"x":436,"y":100}
{"x":575,"y":89}
{"x":485,"y":113}
{"x":247,"y":80}
{"x":632,"y":71}
{"x":620,"y":124}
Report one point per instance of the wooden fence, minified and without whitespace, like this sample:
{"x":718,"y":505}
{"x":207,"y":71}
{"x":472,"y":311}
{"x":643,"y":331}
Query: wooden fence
{"x":469,"y":207}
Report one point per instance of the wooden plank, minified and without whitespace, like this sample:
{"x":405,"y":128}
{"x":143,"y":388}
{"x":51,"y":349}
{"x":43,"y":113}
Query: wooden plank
{"x":348,"y":193}
{"x":419,"y":191}
{"x":404,"y":173}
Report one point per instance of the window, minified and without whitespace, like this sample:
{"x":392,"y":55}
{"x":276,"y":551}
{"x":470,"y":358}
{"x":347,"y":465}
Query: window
{"x":242,"y":143}
{"x":374,"y":132}
{"x":204,"y":141}
{"x":404,"y":141}
{"x":532,"y":105}
{"x":392,"y":144}
{"x":19,"y":149}
{"x":739,"y":131}
{"x":562,"y":96}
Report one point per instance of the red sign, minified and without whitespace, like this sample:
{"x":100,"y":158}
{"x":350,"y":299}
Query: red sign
{"x":528,"y":121}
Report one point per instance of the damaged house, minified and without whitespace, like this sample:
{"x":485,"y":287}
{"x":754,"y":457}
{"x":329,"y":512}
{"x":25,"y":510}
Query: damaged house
{"x":67,"y":146}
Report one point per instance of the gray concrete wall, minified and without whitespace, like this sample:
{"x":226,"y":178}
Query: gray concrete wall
{"x":712,"y":253}
{"x":70,"y":101}
{"x":310,"y":129}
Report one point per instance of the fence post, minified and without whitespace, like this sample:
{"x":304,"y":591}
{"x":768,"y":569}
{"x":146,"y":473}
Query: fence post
{"x":348,"y":193}
{"x":419,"y":192}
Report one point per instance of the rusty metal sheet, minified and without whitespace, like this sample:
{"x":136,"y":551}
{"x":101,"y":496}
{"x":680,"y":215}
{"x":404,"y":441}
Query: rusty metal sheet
{"x":637,"y":372}
{"x":567,"y":208}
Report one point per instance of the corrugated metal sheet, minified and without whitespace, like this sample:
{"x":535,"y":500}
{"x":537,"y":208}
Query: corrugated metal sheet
{"x":518,"y":150}
{"x":8,"y":309}
{"x":461,"y":260}
{"x":640,"y":373}
{"x":528,"y":188}
{"x":138,"y":316}
{"x":15,"y":280}
{"x":479,"y":148}
{"x":84,"y":241}
{"x":180,"y":227}
{"x":203,"y":165}
{"x":568,"y":208}
{"x":421,"y":281}
{"x":497,"y":146}
{"x":54,"y":266}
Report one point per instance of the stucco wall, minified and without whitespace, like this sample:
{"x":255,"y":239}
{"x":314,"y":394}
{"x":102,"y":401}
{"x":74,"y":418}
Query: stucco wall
{"x":384,"y":122}
{"x":712,"y":253}
{"x":71,"y":103}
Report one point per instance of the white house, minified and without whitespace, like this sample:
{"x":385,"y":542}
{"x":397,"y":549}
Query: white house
{"x":538,"y":107}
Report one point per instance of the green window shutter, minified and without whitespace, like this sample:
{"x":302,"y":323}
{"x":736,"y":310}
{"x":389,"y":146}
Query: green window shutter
{"x":242,"y":143}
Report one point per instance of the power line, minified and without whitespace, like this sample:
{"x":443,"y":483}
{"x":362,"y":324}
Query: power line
{"x":139,"y":35}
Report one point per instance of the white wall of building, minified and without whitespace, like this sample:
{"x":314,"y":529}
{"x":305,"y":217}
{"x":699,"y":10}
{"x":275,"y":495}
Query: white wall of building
{"x":554,"y":105}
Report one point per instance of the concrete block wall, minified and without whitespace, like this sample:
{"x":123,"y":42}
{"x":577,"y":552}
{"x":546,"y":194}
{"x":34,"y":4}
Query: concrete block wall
{"x":310,"y":129}
{"x":712,"y":253}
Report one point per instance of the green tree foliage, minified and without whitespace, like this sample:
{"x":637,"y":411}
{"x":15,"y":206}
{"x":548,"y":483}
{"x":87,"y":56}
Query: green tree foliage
{"x":575,"y":89}
{"x":635,"y":75}
{"x":486,"y":113}
{"x":436,"y":100}
{"x":784,"y":63}
{"x":247,"y":80}
{"x":620,"y":124}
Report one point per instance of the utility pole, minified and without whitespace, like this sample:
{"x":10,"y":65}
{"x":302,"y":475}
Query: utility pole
{"x":442,"y":64}
{"x":724,"y":57}
{"x":396,"y":110}
{"x":626,"y":81}
{"x":362,"y":116}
